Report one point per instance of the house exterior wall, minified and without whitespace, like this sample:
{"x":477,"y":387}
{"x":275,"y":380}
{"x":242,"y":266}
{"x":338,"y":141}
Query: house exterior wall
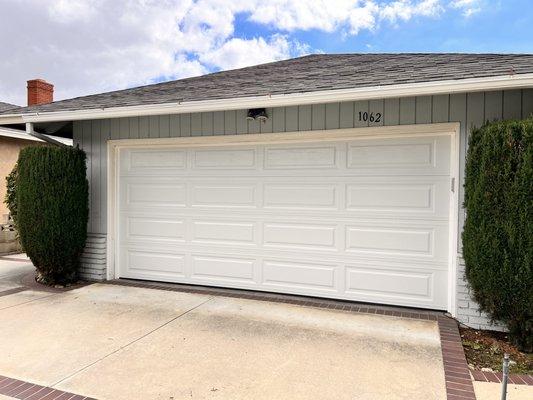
{"x":469,"y":109}
{"x":9,"y":153}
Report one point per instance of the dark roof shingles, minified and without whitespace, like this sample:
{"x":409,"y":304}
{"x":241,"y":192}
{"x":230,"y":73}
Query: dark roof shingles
{"x":6,"y":106}
{"x":307,"y":74}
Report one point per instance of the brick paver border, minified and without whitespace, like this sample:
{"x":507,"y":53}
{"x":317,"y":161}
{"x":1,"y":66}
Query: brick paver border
{"x":515,"y":379}
{"x":28,"y":391}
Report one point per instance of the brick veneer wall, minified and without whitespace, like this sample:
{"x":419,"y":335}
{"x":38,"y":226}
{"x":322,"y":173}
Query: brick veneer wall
{"x":93,"y":259}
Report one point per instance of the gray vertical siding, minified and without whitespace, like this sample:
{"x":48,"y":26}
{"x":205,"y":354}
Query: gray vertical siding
{"x":470,"y":109}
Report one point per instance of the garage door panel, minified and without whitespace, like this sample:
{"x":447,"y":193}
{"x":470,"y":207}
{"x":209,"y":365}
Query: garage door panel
{"x":233,"y":232}
{"x":216,"y":269}
{"x":402,"y":155}
{"x":359,"y":219}
{"x":159,"y":193}
{"x":155,"y":229}
{"x":230,"y":159}
{"x":152,"y":161}
{"x":301,"y":157}
{"x":297,"y":236}
{"x":428,"y":242}
{"x":223,"y":194}
{"x":321,"y":277}
{"x":298,"y":195}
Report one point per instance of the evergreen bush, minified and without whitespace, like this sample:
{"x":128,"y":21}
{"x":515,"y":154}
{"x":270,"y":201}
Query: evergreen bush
{"x":52,"y":197}
{"x":498,"y":231}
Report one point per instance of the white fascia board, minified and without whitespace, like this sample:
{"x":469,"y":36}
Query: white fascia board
{"x":17,"y":134}
{"x":281,"y":100}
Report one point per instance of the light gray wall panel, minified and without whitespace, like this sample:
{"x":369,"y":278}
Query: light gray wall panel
{"x":360,"y":107}
{"x":527,"y":103}
{"x":267,"y":126}
{"x":230,"y":125}
{"x":185,"y":125}
{"x":207,"y":124}
{"x":332,"y":116}
{"x":346,"y":114}
{"x":254,"y":126}
{"x":318,"y":117}
{"x":391,"y":112}
{"x":423,"y":109}
{"x":493,"y":105}
{"x":196,"y":124}
{"x":292,"y":116}
{"x":174,"y":125}
{"x":440,"y":108}
{"x":407,"y":110}
{"x":468,"y":110}
{"x":512,"y":102}
{"x":304,"y":118}
{"x":278,"y":119}
{"x":164,"y":126}
{"x":375,"y":109}
{"x":241,"y":122}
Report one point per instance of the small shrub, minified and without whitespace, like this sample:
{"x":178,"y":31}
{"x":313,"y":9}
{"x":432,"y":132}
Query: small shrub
{"x":52,"y":197}
{"x":10,"y":199}
{"x":498,"y":232}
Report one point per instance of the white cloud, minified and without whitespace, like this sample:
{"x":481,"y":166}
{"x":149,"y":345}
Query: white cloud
{"x":468,"y":7}
{"x":90,"y":46}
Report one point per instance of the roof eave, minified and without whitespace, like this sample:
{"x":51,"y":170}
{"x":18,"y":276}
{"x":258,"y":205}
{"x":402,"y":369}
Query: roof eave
{"x":280,"y":100}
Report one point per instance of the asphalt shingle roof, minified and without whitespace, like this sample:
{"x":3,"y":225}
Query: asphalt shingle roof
{"x":306,"y":74}
{"x":7,"y":106}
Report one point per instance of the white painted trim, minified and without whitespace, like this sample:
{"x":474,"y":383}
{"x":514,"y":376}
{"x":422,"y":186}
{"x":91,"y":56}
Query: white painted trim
{"x":17,"y":134}
{"x":280,"y":100}
{"x":113,"y":147}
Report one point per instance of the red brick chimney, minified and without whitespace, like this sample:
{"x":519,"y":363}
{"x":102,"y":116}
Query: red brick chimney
{"x":40,"y":92}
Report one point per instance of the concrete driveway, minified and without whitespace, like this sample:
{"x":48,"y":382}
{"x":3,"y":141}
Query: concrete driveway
{"x":117,"y":342}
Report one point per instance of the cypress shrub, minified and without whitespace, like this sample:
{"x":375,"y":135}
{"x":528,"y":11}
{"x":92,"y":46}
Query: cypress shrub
{"x":498,"y":231}
{"x":11,"y":194}
{"x":52,"y":197}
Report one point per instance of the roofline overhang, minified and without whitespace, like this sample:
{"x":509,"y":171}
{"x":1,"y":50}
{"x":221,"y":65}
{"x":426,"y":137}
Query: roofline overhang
{"x":283,"y":100}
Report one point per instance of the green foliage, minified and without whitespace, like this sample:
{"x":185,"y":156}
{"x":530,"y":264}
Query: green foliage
{"x":52,"y":197}
{"x":498,"y":232}
{"x":10,"y":199}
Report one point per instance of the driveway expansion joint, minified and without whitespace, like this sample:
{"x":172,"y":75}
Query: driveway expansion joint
{"x":130,"y":343}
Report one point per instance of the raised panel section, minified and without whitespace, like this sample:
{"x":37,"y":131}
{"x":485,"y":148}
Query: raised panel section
{"x":155,"y":194}
{"x":231,"y":232}
{"x":299,"y":235}
{"x":311,"y":276}
{"x":390,"y":197}
{"x":226,"y":269}
{"x":390,"y":240}
{"x":300,"y":157}
{"x":390,"y":155}
{"x":389,"y":282}
{"x":146,"y":262}
{"x":156,"y":229}
{"x":300,"y":196}
{"x":224,"y":159}
{"x":157,"y":159}
{"x":223,"y":195}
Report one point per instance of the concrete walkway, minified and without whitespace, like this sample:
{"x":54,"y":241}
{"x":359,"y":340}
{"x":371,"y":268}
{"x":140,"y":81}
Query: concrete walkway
{"x":117,"y":342}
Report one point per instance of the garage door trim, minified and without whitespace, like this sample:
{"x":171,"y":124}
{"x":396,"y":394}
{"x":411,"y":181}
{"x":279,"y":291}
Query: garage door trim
{"x":453,"y":129}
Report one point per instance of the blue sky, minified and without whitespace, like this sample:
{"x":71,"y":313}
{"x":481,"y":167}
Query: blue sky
{"x":92,"y":46}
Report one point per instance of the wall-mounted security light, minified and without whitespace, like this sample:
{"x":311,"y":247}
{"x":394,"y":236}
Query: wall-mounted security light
{"x":258,"y":114}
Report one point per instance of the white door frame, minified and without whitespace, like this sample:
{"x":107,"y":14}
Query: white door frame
{"x":453,"y":129}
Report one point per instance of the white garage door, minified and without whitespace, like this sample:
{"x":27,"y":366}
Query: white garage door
{"x":361,"y":218}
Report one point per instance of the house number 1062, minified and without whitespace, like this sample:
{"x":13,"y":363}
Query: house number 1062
{"x":365,"y":116}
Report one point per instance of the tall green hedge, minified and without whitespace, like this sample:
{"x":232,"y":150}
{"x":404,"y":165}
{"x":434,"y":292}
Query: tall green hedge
{"x":52,"y":199}
{"x":498,"y":232}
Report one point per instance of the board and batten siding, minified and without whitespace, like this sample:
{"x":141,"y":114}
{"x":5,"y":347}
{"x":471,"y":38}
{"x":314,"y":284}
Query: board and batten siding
{"x":469,"y":109}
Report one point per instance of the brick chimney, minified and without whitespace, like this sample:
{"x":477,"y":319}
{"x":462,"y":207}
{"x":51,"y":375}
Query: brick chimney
{"x":40,"y":92}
